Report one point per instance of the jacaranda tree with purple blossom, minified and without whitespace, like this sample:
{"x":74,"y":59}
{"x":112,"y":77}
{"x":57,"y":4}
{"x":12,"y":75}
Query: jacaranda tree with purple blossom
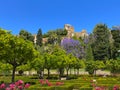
{"x":73,"y":46}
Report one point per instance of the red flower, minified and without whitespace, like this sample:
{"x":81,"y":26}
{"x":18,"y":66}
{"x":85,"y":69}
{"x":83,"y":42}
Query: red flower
{"x":47,"y":81}
{"x":2,"y":85}
{"x":20,"y":87}
{"x":12,"y":86}
{"x":7,"y":88}
{"x":59,"y":83}
{"x":98,"y":88}
{"x":27,"y":85}
{"x":17,"y":83}
{"x":93,"y":85}
{"x":20,"y":82}
{"x":41,"y":81}
{"x":49,"y":84}
{"x":115,"y":88}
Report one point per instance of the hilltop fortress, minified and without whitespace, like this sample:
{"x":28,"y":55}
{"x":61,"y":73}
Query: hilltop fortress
{"x":71,"y":33}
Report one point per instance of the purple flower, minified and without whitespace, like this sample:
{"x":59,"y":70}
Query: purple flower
{"x":73,"y":46}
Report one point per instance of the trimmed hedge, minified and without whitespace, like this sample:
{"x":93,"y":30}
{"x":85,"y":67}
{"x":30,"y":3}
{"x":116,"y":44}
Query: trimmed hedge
{"x":86,"y":88}
{"x":63,"y":87}
{"x":38,"y":87}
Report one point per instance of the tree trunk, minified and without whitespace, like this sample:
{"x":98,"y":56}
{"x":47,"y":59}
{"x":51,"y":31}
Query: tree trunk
{"x":77,"y":71}
{"x":70,"y":71}
{"x":48,"y":73}
{"x":40,"y":73}
{"x":13,"y":74}
{"x":95,"y":72}
{"x":60,"y":72}
{"x":43,"y":72}
{"x":67,"y":69}
{"x":74,"y":71}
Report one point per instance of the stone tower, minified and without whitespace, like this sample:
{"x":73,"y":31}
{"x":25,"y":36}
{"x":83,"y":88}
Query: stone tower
{"x":70,"y":30}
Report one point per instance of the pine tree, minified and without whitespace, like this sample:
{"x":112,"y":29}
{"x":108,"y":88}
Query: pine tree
{"x":39,"y":38}
{"x":101,"y":44}
{"x":116,"y":44}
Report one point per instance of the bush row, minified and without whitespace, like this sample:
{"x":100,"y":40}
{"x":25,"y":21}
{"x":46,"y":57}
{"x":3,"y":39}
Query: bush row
{"x":38,"y":87}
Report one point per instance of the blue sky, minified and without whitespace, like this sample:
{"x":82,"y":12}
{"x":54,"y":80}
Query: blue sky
{"x":31,"y":15}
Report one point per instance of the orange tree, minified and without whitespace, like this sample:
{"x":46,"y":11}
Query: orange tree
{"x":15,"y":51}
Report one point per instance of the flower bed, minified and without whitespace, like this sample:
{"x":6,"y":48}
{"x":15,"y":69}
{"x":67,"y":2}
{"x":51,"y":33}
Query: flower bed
{"x":19,"y":85}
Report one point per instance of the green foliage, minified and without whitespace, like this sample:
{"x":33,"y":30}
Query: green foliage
{"x":61,"y":32}
{"x":26,"y":35}
{"x":60,"y":55}
{"x":5,"y":69}
{"x":70,"y":60}
{"x":53,"y":39}
{"x":37,"y":87}
{"x":49,"y":62}
{"x":101,"y":43}
{"x":81,"y":83}
{"x":38,"y":62}
{"x":63,"y":87}
{"x":92,"y":66}
{"x":113,"y":66}
{"x":15,"y":51}
{"x":55,"y":36}
{"x":25,"y":67}
{"x":79,"y":64}
{"x":89,"y":53}
{"x":116,"y":43}
{"x":86,"y":88}
{"x":39,"y":38}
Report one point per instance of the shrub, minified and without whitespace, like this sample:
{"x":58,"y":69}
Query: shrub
{"x":86,"y":88}
{"x":64,"y":87}
{"x":37,"y":87}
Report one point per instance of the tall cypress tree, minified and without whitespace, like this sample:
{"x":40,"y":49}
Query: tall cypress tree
{"x":39,"y":38}
{"x":101,"y":44}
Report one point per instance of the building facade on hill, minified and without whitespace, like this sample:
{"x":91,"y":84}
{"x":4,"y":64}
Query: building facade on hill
{"x":71,"y":32}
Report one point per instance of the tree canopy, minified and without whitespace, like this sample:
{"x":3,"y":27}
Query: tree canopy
{"x":15,"y":50}
{"x":101,"y":44}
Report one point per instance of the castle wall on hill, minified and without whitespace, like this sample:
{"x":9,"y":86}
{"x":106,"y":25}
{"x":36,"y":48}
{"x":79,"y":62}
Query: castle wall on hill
{"x":71,"y":32}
